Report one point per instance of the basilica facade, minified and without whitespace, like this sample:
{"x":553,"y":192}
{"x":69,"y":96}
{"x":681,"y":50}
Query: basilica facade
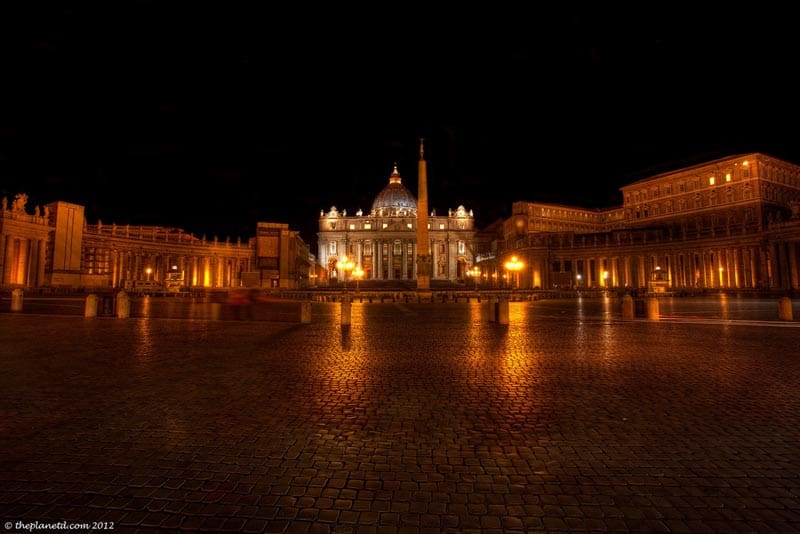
{"x":382,"y":244}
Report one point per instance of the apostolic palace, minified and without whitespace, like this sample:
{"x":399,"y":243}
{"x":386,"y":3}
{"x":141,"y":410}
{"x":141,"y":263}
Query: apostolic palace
{"x":732,"y":223}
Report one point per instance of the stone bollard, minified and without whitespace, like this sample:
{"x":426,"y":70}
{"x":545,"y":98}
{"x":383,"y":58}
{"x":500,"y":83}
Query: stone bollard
{"x":90,"y":308}
{"x":123,"y":305}
{"x":502,"y":311}
{"x":346,"y":309}
{"x":491,"y":306}
{"x":785,"y":309}
{"x":16,"y":300}
{"x":652,"y":308}
{"x":627,"y":307}
{"x":305,"y":313}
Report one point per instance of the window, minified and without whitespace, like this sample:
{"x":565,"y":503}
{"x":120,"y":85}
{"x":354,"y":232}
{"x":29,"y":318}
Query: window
{"x":410,"y":226}
{"x":711,"y":181}
{"x":441,"y":226}
{"x":385,"y":225}
{"x":368,"y":249}
{"x":352,"y":226}
{"x":461,"y":247}
{"x":398,"y":248}
{"x":332,"y":247}
{"x":367,"y":225}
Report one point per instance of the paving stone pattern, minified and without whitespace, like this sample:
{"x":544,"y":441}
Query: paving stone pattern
{"x":417,"y":418}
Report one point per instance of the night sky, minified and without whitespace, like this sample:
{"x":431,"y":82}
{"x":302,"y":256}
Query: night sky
{"x":211,"y":118}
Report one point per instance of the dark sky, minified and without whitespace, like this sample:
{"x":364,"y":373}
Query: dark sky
{"x":212,"y":117}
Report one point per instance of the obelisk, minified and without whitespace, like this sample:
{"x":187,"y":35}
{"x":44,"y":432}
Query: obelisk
{"x":423,"y":242}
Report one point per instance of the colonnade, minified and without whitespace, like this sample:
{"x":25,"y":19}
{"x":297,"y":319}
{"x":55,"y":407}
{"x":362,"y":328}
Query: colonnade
{"x":765,"y":265}
{"x":23,"y":260}
{"x":198,"y":270}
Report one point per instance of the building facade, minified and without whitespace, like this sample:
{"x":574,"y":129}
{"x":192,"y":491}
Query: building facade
{"x":732,"y":223}
{"x":383,"y":242}
{"x":56,"y":247}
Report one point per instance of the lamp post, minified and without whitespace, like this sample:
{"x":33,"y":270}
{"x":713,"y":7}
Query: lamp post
{"x":358,"y":273}
{"x":346,"y":265}
{"x":514,"y":265}
{"x":475,"y":274}
{"x":578,"y":278}
{"x":148,"y":271}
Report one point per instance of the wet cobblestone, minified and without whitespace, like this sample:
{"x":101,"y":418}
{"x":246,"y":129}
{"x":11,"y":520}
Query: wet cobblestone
{"x":417,"y":418}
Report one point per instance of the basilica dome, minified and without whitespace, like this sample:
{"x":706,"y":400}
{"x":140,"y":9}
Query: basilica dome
{"x":395,"y":198}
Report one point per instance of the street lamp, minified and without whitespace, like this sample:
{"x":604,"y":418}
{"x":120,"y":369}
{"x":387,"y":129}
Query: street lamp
{"x":578,"y":278}
{"x":346,"y":265}
{"x":148,"y":271}
{"x":515,"y":265}
{"x":358,"y":273}
{"x":475,"y":274}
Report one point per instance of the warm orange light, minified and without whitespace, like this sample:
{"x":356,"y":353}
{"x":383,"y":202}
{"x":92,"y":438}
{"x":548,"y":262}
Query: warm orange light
{"x":514,"y":264}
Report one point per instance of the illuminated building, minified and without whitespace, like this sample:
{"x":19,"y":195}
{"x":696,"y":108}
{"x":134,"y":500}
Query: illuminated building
{"x":732,"y":223}
{"x":55,"y":247}
{"x":383,"y":242}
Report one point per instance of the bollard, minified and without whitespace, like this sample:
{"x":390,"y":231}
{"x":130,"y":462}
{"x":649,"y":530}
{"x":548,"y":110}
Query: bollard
{"x":90,"y":308}
{"x":785,"y":309}
{"x":491,"y":305}
{"x":123,"y":305}
{"x":652,"y":308}
{"x":305,"y":313}
{"x":627,"y":307}
{"x":16,"y":300}
{"x":346,"y":308}
{"x":502,"y":311}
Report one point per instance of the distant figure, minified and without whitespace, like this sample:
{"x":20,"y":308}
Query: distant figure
{"x":36,"y":210}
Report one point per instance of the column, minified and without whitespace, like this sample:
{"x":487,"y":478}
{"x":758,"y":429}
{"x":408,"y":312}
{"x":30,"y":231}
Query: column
{"x":755,"y":274}
{"x":783,"y":261}
{"x":737,"y":267}
{"x":772,"y":266}
{"x":390,"y":261}
{"x":642,"y":282}
{"x":41,"y":263}
{"x":22,"y":262}
{"x":8,"y":259}
{"x":403,"y":258}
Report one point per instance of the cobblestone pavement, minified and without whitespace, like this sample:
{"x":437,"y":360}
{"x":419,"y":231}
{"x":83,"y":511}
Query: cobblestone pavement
{"x":417,"y":418}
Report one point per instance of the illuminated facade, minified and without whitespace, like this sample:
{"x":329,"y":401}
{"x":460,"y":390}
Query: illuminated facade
{"x":383,"y":243}
{"x":732,"y":223}
{"x":55,"y":247}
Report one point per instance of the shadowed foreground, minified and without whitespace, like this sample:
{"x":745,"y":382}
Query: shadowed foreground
{"x":416,"y":418}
